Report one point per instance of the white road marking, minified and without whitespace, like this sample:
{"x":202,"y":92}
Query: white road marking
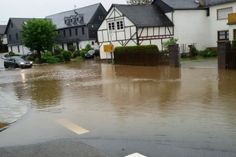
{"x":136,"y":155}
{"x":72,"y":126}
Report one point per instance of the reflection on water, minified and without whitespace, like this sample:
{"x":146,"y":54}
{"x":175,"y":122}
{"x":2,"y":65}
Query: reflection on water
{"x":45,"y":93}
{"x":189,"y":108}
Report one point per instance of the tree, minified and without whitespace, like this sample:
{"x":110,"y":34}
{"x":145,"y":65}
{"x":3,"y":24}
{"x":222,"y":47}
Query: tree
{"x":39,"y":35}
{"x":133,"y":2}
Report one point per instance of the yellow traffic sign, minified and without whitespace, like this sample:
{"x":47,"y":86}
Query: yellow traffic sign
{"x":108,"y":48}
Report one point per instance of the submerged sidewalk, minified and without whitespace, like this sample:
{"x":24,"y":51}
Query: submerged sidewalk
{"x":56,"y":148}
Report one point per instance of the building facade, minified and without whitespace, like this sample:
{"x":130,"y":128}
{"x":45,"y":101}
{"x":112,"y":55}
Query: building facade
{"x":199,"y":22}
{"x":3,"y":36}
{"x":79,"y":27}
{"x":129,"y":25}
{"x":13,"y":33}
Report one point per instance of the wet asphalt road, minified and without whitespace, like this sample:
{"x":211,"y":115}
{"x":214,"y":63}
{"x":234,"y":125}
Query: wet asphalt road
{"x":120,"y":110}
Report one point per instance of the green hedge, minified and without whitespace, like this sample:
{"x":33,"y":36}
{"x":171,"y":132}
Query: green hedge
{"x":137,"y":49}
{"x":140,"y":55}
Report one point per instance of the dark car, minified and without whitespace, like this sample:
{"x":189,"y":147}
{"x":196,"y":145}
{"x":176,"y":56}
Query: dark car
{"x":17,"y":62}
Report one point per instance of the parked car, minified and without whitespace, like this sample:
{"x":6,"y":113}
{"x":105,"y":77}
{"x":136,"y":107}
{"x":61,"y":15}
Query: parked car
{"x":17,"y":62}
{"x":90,"y":54}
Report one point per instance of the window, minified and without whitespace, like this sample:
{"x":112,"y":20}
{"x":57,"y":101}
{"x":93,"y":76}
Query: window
{"x":83,"y":30}
{"x":76,"y":31}
{"x":17,"y":37}
{"x":119,"y":25}
{"x":93,"y":43}
{"x":223,"y":35}
{"x":111,"y":25}
{"x":64,"y":33}
{"x":222,"y":14}
{"x":70,"y":32}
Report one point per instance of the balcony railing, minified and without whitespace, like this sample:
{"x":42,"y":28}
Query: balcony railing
{"x":232,"y":19}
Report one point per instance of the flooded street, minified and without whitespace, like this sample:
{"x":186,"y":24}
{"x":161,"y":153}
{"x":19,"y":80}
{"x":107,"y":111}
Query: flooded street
{"x":155,"y":111}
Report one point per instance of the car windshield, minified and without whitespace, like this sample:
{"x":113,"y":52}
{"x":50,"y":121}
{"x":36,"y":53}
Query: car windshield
{"x":18,"y":59}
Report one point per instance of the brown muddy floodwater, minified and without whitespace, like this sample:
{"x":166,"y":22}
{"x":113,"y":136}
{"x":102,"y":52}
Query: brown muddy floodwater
{"x":156,"y":111}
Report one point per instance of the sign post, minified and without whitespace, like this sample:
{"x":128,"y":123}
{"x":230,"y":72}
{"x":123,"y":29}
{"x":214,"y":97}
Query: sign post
{"x":109,"y":49}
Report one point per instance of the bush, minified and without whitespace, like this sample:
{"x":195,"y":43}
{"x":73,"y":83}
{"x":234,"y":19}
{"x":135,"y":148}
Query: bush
{"x":193,"y":51}
{"x":59,"y":57}
{"x":47,"y":57}
{"x":50,"y":59}
{"x":139,"y":55}
{"x":72,"y":48}
{"x":85,"y":50}
{"x":209,"y":52}
{"x":169,"y":43}
{"x":57,"y":50}
{"x":67,"y":55}
{"x":75,"y":54}
{"x":137,"y":49}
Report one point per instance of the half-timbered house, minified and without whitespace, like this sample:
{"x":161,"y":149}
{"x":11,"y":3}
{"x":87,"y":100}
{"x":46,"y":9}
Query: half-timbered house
{"x":129,"y":25}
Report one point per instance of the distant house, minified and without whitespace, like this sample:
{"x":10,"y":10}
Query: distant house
{"x":3,"y":36}
{"x":128,"y":25}
{"x":78,"y":27}
{"x":13,"y":32}
{"x":200,"y":22}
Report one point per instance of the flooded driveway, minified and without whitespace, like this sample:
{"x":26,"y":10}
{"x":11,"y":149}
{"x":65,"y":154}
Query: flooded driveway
{"x":121,"y":110}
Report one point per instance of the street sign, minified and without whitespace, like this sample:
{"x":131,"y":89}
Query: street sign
{"x":108,"y":48}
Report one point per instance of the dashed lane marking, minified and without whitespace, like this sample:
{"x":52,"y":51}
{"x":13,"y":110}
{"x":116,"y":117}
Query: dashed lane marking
{"x":136,"y":155}
{"x":72,"y":126}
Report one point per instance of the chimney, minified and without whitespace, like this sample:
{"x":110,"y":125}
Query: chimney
{"x":202,"y":3}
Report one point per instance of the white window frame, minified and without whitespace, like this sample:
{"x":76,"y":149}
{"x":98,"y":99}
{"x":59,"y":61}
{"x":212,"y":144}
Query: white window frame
{"x":119,"y":25}
{"x":111,"y":26}
{"x":229,"y":9}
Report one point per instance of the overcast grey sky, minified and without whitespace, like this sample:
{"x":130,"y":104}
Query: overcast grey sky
{"x":42,"y":8}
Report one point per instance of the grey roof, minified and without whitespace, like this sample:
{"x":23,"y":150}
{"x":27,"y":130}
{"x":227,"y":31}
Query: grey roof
{"x":2,"y":29}
{"x":180,"y":4}
{"x":192,"y":4}
{"x":18,"y":22}
{"x":216,"y":2}
{"x":144,"y":15}
{"x":87,"y":12}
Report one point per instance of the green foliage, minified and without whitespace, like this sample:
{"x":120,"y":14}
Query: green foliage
{"x":234,"y":43}
{"x":57,"y":50}
{"x":39,"y":34}
{"x":72,"y":48}
{"x":75,"y":54}
{"x":49,"y":58}
{"x":67,"y":55}
{"x":169,"y":43}
{"x":193,"y":51}
{"x":137,"y":49}
{"x":209,"y":52}
{"x":85,"y":50}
